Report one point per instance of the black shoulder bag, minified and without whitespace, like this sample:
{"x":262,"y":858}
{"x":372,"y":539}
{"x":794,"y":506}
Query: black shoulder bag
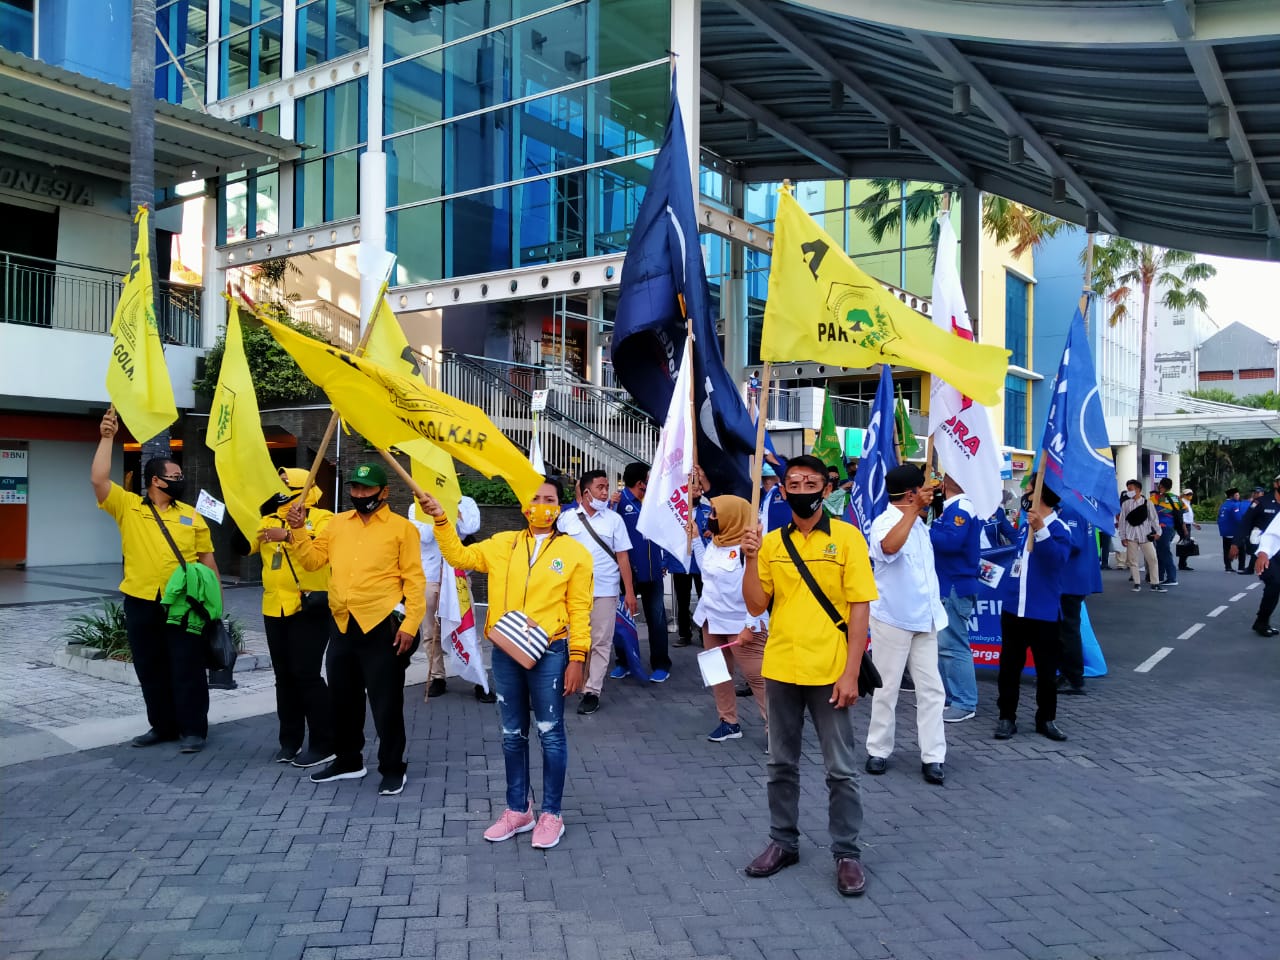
{"x":868,"y":675}
{"x":220,"y":649}
{"x":595,"y":536}
{"x":313,"y":601}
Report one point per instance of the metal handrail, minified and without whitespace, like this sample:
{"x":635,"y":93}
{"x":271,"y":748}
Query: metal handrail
{"x":72,"y":296}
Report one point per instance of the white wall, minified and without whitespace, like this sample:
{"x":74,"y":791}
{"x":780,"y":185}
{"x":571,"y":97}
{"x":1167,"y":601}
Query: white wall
{"x":64,"y":524}
{"x":96,"y":237}
{"x":56,"y":364}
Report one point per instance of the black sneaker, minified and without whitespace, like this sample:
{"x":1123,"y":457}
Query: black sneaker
{"x":589,"y":704}
{"x":285,"y":755}
{"x":190,"y":744}
{"x":335,"y":772}
{"x":436,"y":687}
{"x":150,"y":739}
{"x":485,"y":697}
{"x":392,"y":784}
{"x":312,"y":758}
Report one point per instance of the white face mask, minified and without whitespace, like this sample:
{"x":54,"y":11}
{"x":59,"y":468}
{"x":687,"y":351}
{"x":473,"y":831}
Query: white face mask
{"x":598,"y":505}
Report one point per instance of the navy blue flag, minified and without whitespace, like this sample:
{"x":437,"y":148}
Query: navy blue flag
{"x":663,"y":280}
{"x":1078,"y":465}
{"x":869,"y":497}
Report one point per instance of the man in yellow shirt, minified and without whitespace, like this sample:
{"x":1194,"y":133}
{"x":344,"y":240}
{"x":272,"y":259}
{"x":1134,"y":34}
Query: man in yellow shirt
{"x":295,"y":614}
{"x":169,"y":661}
{"x":374,"y":562}
{"x":811,"y":665}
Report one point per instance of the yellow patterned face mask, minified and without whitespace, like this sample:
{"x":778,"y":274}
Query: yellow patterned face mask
{"x":542,"y":515}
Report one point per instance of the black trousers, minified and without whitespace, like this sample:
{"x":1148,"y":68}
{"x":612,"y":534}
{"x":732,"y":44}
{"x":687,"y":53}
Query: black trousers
{"x":683,"y":584}
{"x":1270,"y":594}
{"x":170,"y":665}
{"x":360,"y":663}
{"x":1071,"y":658}
{"x":297,"y":644}
{"x":1018,"y":634}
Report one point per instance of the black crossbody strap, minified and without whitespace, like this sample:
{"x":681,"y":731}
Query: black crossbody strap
{"x":290,"y":562}
{"x":824,"y":601}
{"x":596,"y":537}
{"x":167,"y":535}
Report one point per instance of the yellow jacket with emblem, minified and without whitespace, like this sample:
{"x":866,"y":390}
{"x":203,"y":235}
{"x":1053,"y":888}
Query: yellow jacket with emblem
{"x":281,"y":593}
{"x":553,"y":583}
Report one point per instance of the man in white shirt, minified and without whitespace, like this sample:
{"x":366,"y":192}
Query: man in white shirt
{"x":604,"y":534}
{"x":904,"y":623}
{"x":432,"y":566}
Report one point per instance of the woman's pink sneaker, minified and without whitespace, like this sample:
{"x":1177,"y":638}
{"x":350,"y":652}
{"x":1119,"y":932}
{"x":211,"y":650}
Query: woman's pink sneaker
{"x":509,"y":824}
{"x":548,"y":832}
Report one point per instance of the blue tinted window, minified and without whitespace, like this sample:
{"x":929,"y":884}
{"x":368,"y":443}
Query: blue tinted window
{"x":18,"y":26}
{"x":1015,"y":318}
{"x":1015,"y":412}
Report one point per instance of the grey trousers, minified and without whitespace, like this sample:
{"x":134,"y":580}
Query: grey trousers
{"x":787,"y":705}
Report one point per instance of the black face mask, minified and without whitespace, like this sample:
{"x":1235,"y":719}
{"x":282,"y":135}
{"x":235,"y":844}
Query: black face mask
{"x":365,"y":505}
{"x":713,"y":526}
{"x":1026,"y":503}
{"x":805,"y":505}
{"x":174,"y":488}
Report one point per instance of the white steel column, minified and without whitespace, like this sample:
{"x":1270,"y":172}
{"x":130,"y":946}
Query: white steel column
{"x":686,"y":40}
{"x":971,"y":253}
{"x":373,"y":176}
{"x":733,"y":295}
{"x":213,"y":276}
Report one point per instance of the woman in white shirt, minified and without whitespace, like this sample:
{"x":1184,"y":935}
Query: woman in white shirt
{"x":722,"y":613}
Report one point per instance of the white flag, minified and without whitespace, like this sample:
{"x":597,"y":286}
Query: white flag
{"x":458,"y":629}
{"x":664,"y":515}
{"x":961,"y":429}
{"x":535,"y":449}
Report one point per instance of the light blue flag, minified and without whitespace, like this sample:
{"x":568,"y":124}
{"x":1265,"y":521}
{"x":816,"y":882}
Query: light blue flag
{"x":879,"y":456}
{"x":1078,"y":464}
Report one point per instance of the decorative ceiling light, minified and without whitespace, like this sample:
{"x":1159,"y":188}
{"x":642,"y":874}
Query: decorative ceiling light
{"x":1219,"y":122}
{"x":1017,"y":151}
{"x":960,"y":97}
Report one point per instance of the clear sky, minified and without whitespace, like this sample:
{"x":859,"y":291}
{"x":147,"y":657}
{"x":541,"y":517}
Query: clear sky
{"x":1247,"y":291}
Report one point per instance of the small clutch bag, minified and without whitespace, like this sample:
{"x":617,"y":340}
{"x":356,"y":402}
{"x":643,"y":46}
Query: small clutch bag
{"x":520,"y":638}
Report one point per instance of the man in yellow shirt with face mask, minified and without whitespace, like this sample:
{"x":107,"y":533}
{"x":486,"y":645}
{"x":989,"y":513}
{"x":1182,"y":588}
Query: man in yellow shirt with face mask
{"x":295,"y":614}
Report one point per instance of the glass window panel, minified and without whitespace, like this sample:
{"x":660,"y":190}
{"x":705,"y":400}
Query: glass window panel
{"x":18,"y":26}
{"x":631,"y":32}
{"x":413,"y":233}
{"x":413,"y":93}
{"x":414,"y":169}
{"x":348,"y":125}
{"x":329,"y":29}
{"x":238,"y":14}
{"x":327,"y":189}
{"x":1015,"y":318}
{"x":309,"y":124}
{"x":233,"y":204}
{"x":308,"y":193}
{"x":1015,"y":412}
{"x":251,"y":59}
{"x":343,"y":184}
{"x":267,"y":121}
{"x":267,"y":202}
{"x":185,"y":27}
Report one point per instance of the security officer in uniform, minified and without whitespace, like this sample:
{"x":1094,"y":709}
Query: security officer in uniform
{"x":1258,"y":517}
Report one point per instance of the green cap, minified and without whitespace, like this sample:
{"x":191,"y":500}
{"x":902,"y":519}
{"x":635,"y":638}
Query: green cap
{"x":368,"y":475}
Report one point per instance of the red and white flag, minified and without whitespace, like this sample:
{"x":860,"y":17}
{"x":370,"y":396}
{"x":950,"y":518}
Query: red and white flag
{"x":961,"y":429}
{"x":664,"y":515}
{"x":458,"y":635}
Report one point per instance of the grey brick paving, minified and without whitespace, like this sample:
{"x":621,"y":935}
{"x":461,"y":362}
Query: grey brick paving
{"x":1153,"y":832}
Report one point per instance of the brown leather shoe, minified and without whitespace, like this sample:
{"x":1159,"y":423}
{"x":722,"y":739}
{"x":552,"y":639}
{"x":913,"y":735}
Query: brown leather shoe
{"x":850,"y":880}
{"x":774,"y":858}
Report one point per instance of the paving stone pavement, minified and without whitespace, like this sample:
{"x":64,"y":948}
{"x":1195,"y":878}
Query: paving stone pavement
{"x":1152,"y":833}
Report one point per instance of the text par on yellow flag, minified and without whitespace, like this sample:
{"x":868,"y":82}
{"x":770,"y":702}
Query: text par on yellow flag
{"x":388,"y":408}
{"x":137,"y":378}
{"x":240,"y":453}
{"x":822,"y":307}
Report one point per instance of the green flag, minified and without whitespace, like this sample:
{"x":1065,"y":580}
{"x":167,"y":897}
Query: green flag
{"x":827,"y":446}
{"x":907,"y":436}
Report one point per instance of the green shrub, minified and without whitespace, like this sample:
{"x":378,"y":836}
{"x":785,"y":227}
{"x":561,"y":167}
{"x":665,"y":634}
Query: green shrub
{"x":491,"y":493}
{"x":276,"y":378}
{"x":105,"y":630}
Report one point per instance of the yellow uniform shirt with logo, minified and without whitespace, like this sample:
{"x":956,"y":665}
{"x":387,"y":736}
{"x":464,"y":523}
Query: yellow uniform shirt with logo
{"x":804,"y":646}
{"x":148,"y":558}
{"x":551,"y":583}
{"x":281,"y":593}
{"x":373,"y":567}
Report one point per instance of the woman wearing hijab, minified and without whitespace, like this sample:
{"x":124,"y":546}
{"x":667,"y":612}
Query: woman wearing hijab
{"x":546,"y":576}
{"x":297,"y":627}
{"x":722,"y":613}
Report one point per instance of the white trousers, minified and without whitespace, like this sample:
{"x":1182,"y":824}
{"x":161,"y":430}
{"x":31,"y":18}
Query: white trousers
{"x":892,"y":649}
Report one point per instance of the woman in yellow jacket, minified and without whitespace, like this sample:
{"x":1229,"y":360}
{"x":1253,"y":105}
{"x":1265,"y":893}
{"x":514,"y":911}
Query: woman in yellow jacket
{"x":295,"y":614}
{"x":547,"y":576}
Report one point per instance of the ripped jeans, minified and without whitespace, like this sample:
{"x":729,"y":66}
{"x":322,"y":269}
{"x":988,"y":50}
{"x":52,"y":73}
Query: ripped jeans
{"x":540,"y":690}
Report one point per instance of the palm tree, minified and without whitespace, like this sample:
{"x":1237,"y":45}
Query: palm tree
{"x":1122,"y":267}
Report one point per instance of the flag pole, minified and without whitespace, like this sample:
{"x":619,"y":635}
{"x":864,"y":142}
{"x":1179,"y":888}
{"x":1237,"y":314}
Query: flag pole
{"x":693,"y":413}
{"x":404,"y":474}
{"x":929,"y":471}
{"x":757,"y":462}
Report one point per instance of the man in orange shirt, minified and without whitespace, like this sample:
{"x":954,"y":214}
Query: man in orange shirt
{"x":373,"y":555}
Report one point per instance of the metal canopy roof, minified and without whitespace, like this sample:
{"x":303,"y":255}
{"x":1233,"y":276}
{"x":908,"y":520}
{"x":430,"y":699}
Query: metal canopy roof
{"x":1161,"y":116}
{"x":1174,"y":419}
{"x":50,"y":115}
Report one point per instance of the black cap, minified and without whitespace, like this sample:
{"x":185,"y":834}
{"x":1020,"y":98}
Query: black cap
{"x":903,"y":478}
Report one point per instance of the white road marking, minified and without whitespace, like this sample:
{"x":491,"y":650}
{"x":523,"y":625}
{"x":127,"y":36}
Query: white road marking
{"x":1188,"y":634}
{"x":1254,"y":586}
{"x":1238,"y":596}
{"x":1146,"y":665}
{"x":1217,"y":610}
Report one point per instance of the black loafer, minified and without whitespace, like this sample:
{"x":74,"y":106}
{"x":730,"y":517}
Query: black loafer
{"x":1050,"y":729}
{"x":1005,"y":729}
{"x":933,"y":772}
{"x":877,"y":765}
{"x":150,"y":739}
{"x":191,"y":744}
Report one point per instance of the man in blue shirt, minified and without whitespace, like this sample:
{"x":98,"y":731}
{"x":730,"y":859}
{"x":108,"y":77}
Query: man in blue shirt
{"x":1229,"y":515}
{"x":1081,"y":577}
{"x":1031,"y":600}
{"x":648,"y":566}
{"x":956,"y":536}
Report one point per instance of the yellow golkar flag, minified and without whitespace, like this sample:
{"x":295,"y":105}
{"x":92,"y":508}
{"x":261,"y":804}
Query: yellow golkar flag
{"x":388,"y":408}
{"x":235,"y":436}
{"x":432,"y":467}
{"x":137,"y":378}
{"x":822,"y":307}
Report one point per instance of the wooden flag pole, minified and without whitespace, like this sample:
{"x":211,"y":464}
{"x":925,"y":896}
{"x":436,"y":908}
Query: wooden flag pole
{"x":693,"y":417}
{"x":404,"y":474}
{"x":757,"y":462}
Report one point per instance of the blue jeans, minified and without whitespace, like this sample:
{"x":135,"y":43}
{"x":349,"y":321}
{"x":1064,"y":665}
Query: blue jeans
{"x":540,"y":691}
{"x":955,"y":656}
{"x":1164,"y":555}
